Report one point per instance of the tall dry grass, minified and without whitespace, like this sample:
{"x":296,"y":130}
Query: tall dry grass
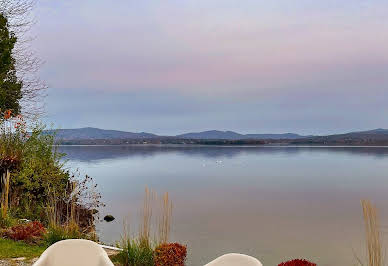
{"x":165,"y":220}
{"x":52,"y":209}
{"x":72,"y":215}
{"x":145,"y":226}
{"x":63,"y":217}
{"x":372,"y":234}
{"x":138,"y":249}
{"x":55,"y":204}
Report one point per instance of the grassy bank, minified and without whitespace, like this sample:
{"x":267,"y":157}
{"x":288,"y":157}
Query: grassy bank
{"x":17,"y":249}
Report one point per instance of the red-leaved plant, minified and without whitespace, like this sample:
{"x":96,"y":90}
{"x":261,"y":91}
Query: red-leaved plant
{"x":173,"y":254}
{"x":27,"y":232}
{"x":297,"y":262}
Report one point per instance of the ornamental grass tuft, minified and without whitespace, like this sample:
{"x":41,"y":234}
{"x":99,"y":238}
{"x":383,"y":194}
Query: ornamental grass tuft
{"x":135,"y":253}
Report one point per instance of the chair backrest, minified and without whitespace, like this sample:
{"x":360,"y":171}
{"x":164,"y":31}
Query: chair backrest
{"x":74,"y":252}
{"x":235,"y":259}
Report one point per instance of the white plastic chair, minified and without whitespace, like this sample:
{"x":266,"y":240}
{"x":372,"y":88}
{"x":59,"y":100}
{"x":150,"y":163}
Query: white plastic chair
{"x":235,"y":259}
{"x":74,"y":252}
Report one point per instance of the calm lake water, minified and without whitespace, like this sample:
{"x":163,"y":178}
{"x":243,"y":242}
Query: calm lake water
{"x":274,"y":203}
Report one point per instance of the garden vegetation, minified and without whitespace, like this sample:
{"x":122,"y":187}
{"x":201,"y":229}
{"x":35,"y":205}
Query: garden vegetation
{"x":141,"y":249}
{"x":34,"y":183}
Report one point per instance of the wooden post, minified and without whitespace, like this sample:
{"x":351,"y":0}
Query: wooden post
{"x":7,"y":179}
{"x":3,"y":182}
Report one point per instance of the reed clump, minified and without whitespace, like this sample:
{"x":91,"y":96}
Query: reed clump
{"x":136,"y":251}
{"x":139,"y":249}
{"x":66,"y":216}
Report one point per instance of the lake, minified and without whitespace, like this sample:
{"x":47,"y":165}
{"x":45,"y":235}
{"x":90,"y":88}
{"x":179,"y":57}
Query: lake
{"x":274,"y":203}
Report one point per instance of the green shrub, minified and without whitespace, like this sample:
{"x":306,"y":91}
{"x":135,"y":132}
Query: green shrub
{"x":61,"y":232}
{"x":7,"y":221}
{"x":40,"y":176}
{"x":70,"y":230}
{"x":55,"y":234}
{"x":39,"y":172}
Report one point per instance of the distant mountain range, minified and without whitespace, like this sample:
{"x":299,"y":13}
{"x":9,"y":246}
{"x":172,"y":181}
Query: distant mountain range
{"x":230,"y":135}
{"x":96,"y":133}
{"x":91,"y":135}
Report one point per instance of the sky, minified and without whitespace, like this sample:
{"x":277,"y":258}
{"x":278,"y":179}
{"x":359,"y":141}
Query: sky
{"x":252,"y":66}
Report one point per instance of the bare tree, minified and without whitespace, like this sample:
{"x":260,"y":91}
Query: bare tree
{"x":20,"y":17}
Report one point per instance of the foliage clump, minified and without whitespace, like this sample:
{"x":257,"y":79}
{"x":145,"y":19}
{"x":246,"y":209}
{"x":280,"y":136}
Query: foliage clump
{"x":71,"y":230}
{"x":170,"y":254}
{"x":297,"y":262}
{"x":29,"y":232}
{"x":39,"y":174}
{"x":34,"y":183}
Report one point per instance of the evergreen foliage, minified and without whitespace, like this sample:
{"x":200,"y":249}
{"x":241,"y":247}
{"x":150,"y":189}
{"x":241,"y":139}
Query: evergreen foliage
{"x":10,"y":86}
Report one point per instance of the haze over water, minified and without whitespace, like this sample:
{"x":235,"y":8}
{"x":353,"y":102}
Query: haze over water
{"x":274,"y":203}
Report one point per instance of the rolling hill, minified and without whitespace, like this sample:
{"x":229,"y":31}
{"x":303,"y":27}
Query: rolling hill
{"x":370,"y":137}
{"x":216,"y":134}
{"x":96,"y":133}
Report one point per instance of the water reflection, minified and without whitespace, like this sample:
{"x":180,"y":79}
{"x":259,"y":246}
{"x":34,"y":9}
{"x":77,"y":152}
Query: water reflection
{"x":92,"y":153}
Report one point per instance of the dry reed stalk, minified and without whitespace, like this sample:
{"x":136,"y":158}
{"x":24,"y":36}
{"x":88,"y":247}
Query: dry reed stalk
{"x":165,"y":222}
{"x":68,"y":221}
{"x":145,"y":228}
{"x":52,"y":209}
{"x":372,"y":233}
{"x":125,"y":236}
{"x":73,"y":218}
{"x":55,"y":205}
